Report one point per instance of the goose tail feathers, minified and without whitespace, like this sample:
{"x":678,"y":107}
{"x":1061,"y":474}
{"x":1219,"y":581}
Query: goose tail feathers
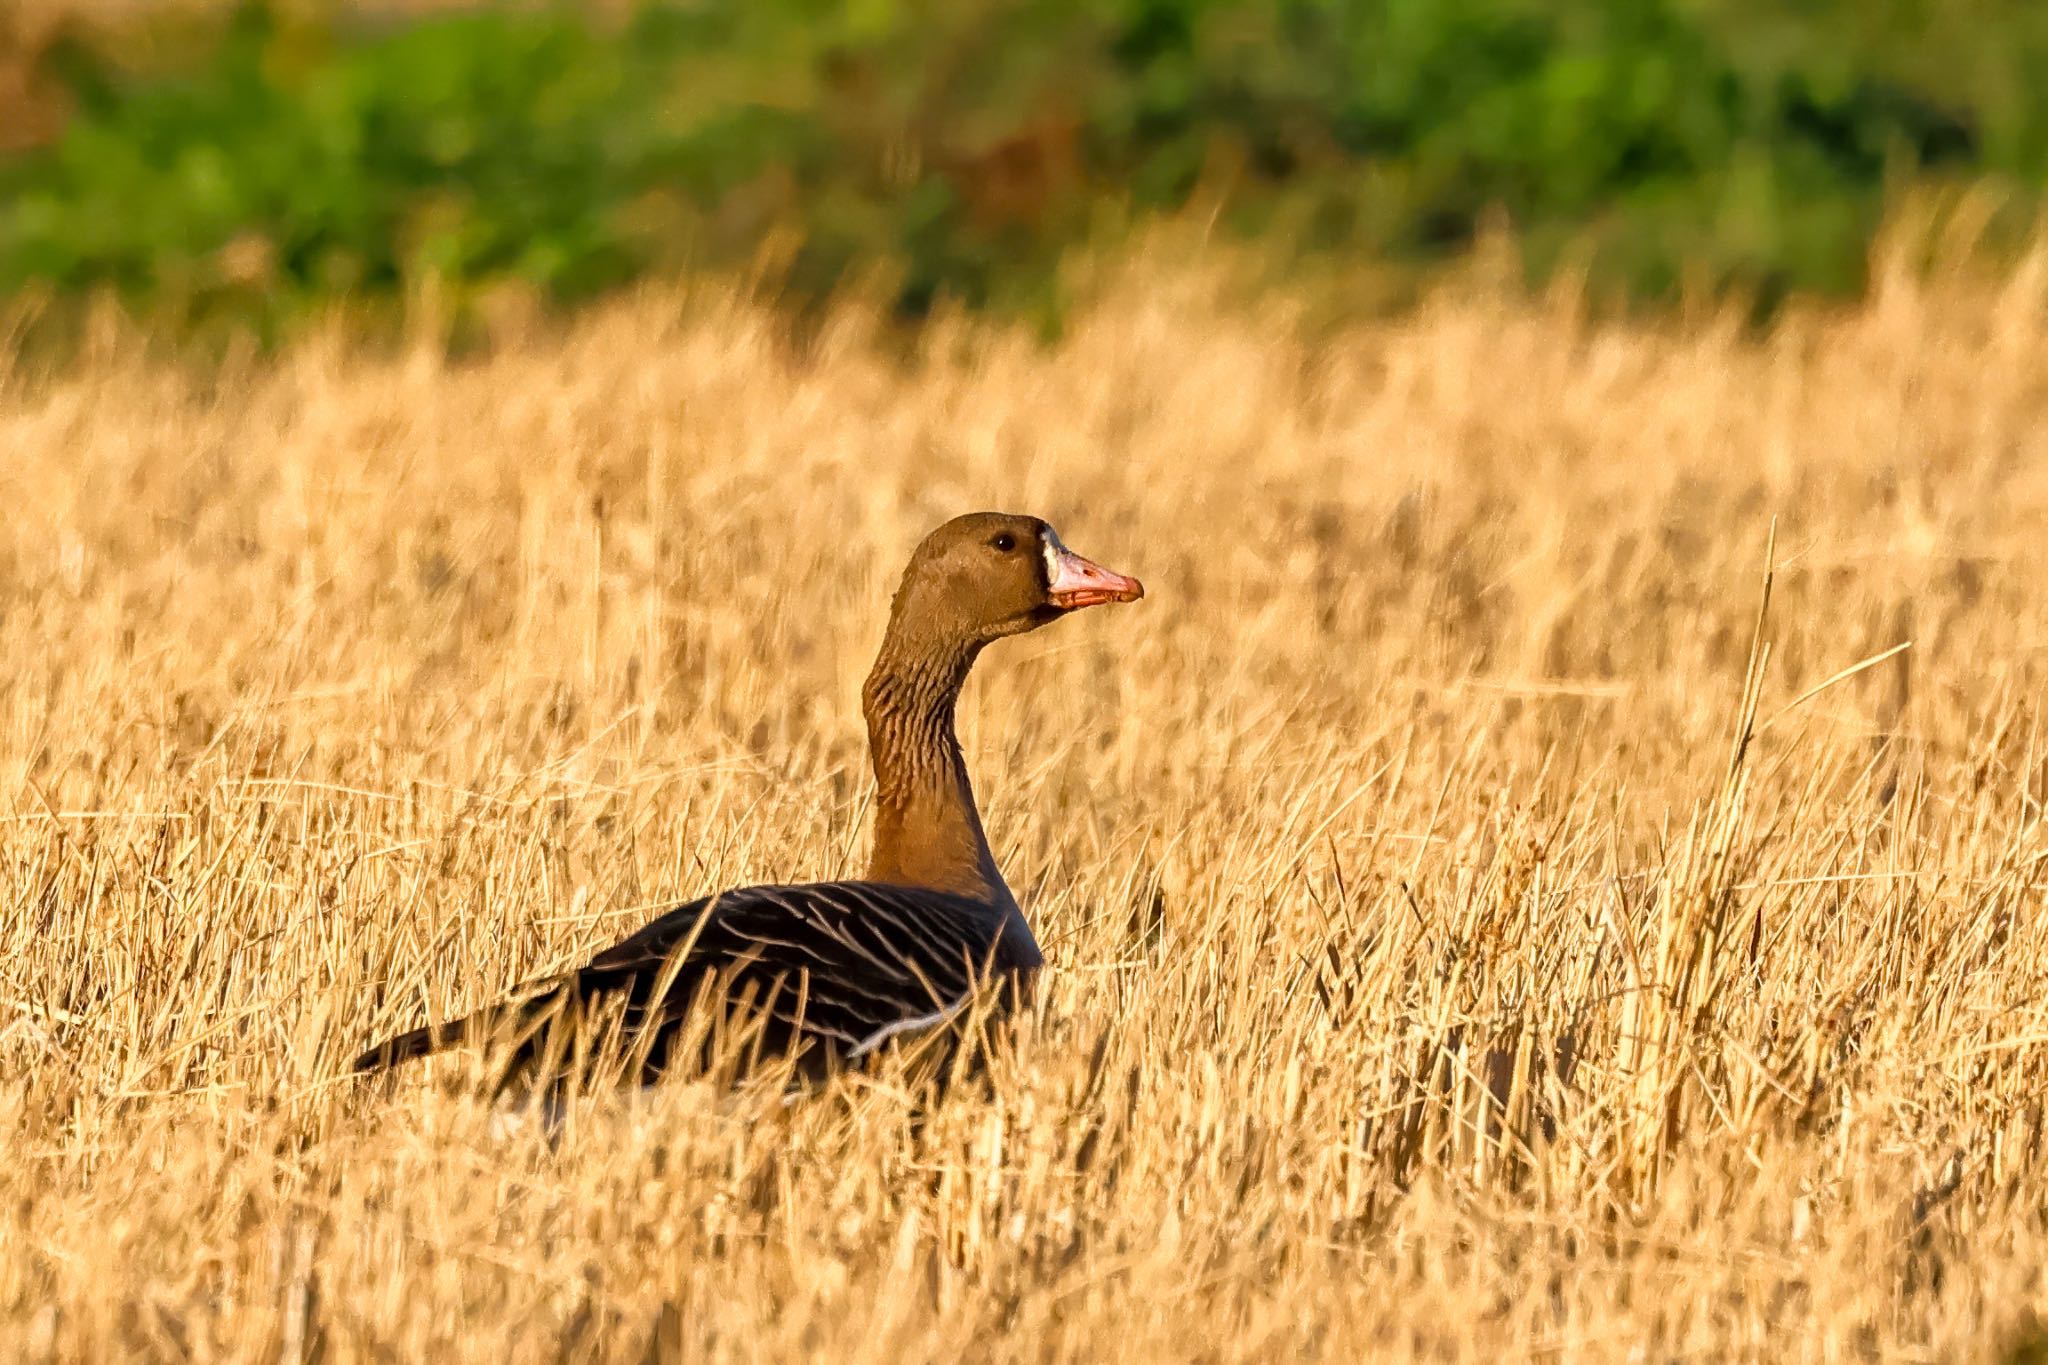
{"x":412,"y":1043}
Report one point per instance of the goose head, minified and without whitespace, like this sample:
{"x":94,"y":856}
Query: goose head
{"x":987,"y":575}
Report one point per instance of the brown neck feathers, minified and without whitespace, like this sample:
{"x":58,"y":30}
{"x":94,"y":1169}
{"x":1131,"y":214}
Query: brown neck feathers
{"x":927,"y":830}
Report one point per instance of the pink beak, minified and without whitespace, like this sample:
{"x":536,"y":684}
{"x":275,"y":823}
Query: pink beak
{"x":1074,"y":582}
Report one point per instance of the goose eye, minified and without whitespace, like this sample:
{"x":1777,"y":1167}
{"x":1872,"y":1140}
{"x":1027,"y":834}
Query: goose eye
{"x":1005,"y":542}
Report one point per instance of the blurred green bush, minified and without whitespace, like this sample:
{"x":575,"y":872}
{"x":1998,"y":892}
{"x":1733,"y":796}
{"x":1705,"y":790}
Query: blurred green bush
{"x":291,"y":159}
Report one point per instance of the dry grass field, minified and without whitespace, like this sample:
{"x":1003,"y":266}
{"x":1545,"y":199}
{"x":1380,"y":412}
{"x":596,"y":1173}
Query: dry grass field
{"x":1478,"y":928}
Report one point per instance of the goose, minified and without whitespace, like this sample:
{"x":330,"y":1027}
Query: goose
{"x":831,"y":971}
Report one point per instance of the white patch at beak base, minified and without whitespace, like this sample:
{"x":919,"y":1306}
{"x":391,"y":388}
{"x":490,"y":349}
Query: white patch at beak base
{"x":1049,"y":542}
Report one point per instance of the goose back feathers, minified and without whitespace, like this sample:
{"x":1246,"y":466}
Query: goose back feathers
{"x":828,"y":972}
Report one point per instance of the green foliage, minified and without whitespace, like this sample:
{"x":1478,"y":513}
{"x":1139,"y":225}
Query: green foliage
{"x":964,"y":145}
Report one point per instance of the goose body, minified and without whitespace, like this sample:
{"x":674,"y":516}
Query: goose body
{"x":825,"y":973}
{"x":828,"y":972}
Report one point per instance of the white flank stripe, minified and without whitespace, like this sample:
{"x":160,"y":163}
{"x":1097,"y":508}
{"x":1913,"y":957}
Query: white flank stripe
{"x":888,"y":1031}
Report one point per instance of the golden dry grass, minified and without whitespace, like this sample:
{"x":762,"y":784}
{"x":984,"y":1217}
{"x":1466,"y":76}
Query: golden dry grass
{"x":1433,"y":972}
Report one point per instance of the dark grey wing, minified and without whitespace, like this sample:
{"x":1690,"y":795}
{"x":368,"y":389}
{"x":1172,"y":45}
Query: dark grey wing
{"x":842,"y":964}
{"x":830,"y":969}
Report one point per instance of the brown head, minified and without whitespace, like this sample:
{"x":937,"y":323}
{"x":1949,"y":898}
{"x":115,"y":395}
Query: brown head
{"x":985,"y":575}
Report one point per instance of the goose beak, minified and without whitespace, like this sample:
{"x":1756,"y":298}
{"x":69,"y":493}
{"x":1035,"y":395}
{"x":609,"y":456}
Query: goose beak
{"x":1074,"y":582}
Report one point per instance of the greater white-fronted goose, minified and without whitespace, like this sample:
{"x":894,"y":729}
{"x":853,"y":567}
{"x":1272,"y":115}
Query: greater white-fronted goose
{"x":829,"y":971}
